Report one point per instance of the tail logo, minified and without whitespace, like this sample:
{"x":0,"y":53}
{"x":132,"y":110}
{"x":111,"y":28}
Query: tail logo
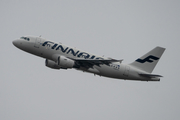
{"x":149,"y":59}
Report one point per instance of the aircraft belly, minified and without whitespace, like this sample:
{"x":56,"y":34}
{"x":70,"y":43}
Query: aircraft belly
{"x":107,"y":71}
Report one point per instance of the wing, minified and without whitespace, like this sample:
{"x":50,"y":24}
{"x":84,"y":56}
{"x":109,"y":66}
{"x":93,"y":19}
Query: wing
{"x":89,"y":63}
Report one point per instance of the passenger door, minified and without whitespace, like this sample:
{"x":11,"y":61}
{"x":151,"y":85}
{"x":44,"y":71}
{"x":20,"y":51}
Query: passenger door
{"x":37,"y":42}
{"x":126,"y":71}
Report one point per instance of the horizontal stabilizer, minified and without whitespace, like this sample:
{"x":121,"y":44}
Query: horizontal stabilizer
{"x":150,"y":75}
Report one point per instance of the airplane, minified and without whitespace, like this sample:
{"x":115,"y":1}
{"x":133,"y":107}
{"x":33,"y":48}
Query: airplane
{"x":59,"y":56}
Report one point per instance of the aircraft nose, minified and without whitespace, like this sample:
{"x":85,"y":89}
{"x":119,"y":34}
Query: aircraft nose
{"x":16,"y":43}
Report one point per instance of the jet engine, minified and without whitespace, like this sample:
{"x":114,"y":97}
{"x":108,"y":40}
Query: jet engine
{"x":65,"y":62}
{"x":62,"y":63}
{"x":52,"y":64}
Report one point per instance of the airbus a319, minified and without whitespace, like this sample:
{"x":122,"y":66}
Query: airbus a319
{"x":59,"y":56}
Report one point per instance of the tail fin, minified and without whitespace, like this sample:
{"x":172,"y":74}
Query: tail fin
{"x":148,"y":61}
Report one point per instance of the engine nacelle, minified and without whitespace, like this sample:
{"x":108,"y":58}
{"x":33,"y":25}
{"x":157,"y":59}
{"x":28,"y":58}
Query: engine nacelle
{"x":62,"y":63}
{"x":65,"y":62}
{"x":52,"y":64}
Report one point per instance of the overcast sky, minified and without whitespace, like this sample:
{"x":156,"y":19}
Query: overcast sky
{"x":121,"y":29}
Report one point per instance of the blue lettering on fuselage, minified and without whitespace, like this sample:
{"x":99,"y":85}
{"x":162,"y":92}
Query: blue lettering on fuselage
{"x":92,"y":57}
{"x":62,"y":49}
{"x":84,"y":55}
{"x":46,"y":43}
{"x":69,"y":50}
{"x":54,"y":46}
{"x":72,"y":51}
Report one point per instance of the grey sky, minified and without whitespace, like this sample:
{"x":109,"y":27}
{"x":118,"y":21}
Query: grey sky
{"x":121,"y":29}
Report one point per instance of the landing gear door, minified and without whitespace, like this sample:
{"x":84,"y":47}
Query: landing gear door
{"x":37,"y":42}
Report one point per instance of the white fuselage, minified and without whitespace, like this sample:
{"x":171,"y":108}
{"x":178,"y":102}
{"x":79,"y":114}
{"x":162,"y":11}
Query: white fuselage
{"x":51,"y":50}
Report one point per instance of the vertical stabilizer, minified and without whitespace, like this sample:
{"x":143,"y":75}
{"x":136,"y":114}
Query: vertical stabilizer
{"x":148,"y":61}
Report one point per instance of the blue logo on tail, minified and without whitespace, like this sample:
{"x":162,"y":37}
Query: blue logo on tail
{"x":149,"y":59}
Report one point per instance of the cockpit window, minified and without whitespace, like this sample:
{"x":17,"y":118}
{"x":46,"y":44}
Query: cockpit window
{"x":25,"y":38}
